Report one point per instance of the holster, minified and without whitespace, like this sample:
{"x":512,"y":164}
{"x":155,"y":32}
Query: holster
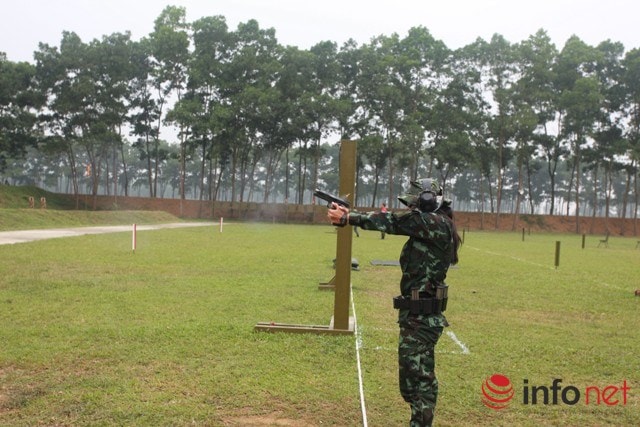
{"x":417,"y":304}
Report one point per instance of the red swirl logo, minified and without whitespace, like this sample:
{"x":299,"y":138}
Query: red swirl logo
{"x":497,"y":392}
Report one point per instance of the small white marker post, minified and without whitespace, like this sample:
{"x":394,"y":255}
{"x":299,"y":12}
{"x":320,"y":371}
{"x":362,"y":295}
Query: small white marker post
{"x":221,"y":222}
{"x":133,"y":239}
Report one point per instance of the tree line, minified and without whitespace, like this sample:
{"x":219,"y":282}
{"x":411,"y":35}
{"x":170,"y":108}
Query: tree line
{"x":506,"y":127}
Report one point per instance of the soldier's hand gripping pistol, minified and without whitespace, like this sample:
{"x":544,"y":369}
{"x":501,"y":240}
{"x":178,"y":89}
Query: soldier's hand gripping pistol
{"x":343,"y":205}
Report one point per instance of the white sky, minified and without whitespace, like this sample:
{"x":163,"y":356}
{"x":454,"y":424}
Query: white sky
{"x":25,"y":23}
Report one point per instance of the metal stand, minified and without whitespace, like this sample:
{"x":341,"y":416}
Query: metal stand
{"x":341,"y":323}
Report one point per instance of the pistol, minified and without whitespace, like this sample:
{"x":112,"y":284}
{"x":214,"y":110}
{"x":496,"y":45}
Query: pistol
{"x":330,"y":198}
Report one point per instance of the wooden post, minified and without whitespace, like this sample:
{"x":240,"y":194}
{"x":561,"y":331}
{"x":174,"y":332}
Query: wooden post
{"x":345,"y":238}
{"x":341,"y":323}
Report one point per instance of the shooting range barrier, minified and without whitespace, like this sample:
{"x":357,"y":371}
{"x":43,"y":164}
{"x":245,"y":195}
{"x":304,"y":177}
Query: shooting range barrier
{"x":355,"y":264}
{"x":385,"y":263}
{"x":341,"y":323}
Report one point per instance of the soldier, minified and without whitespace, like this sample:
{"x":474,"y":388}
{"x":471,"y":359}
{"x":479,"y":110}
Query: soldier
{"x":383,"y":210}
{"x":425,"y":258}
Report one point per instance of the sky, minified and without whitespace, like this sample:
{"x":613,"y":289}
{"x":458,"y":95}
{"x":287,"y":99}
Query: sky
{"x":26,"y":23}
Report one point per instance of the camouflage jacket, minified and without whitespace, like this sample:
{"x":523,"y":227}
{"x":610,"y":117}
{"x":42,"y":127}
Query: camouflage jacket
{"x":426,"y":256}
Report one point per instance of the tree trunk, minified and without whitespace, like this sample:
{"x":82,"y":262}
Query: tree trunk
{"x":518,"y":196}
{"x":286,"y":176}
{"x":595,"y":199}
{"x":577,"y":168}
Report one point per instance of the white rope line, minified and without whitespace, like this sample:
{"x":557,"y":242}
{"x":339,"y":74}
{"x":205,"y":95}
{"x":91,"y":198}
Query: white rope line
{"x":358,"y":345}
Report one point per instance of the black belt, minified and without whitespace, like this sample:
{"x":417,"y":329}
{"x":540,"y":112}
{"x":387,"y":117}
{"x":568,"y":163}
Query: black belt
{"x":418,"y":304}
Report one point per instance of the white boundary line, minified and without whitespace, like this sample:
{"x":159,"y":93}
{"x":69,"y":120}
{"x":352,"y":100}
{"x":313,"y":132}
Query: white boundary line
{"x":358,"y":345}
{"x":541,"y":265}
{"x":365,"y":423}
{"x":463,"y":348}
{"x":454,"y":338}
{"x":614,"y":287}
{"x":512,"y":257}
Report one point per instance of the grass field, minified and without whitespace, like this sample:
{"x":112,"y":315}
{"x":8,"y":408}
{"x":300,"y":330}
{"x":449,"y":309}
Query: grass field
{"x":93,"y":334}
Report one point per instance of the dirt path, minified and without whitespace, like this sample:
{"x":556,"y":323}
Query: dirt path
{"x":20,"y":236}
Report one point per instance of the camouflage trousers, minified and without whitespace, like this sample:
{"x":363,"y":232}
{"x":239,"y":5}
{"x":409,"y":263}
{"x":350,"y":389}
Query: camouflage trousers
{"x":416,"y":363}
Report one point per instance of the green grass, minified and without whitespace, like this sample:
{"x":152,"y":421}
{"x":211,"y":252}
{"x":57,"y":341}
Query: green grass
{"x":17,"y":197}
{"x":16,"y":215}
{"x":93,"y":334}
{"x":522,"y":317}
{"x":29,"y":219}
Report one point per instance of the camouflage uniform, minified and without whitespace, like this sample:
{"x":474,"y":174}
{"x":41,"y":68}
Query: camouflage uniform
{"x":424,"y":260}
